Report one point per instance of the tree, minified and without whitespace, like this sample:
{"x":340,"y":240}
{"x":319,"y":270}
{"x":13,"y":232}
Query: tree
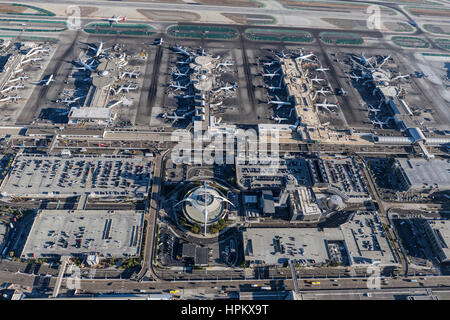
{"x":195,"y":228}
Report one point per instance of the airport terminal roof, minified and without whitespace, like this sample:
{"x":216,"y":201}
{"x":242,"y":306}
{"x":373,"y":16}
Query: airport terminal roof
{"x":73,"y":232}
{"x":90,"y":113}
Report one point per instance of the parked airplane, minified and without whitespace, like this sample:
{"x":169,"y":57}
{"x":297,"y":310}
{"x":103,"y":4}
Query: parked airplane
{"x":187,"y":61}
{"x":175,"y":117}
{"x":271,"y":63}
{"x":13,"y":98}
{"x":18,"y":79}
{"x":116,"y":20}
{"x":131,"y":74}
{"x":317,"y":79}
{"x":278,"y":119}
{"x":178,"y":86}
{"x":385,"y":59}
{"x":225,"y":64}
{"x":69,"y":101}
{"x":278,"y":87}
{"x":341,"y":92}
{"x":325,"y":105}
{"x":45,"y":82}
{"x":363,"y":60}
{"x":227,"y":88}
{"x":281,"y":54}
{"x":12,"y":88}
{"x":323,"y":91}
{"x":323,"y":69}
{"x":401,"y":76}
{"x":306,"y":56}
{"x":278,"y":102}
{"x":127,"y":88}
{"x":182,"y":51}
{"x":271,"y":75}
{"x":178,"y":74}
{"x":99,"y":50}
{"x":354,"y":77}
{"x":86,"y":67}
{"x":159,"y":41}
{"x":378,"y":122}
{"x":370,"y":108}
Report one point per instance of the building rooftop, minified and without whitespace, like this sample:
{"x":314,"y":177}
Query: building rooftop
{"x":108,"y":233}
{"x":58,"y":176}
{"x":90,"y":113}
{"x":361,"y":241}
{"x":423,"y":173}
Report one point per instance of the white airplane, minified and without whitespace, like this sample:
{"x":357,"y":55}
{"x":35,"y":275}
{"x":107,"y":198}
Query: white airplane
{"x":341,"y":91}
{"x":401,"y":76}
{"x":323,"y":69}
{"x":127,"y":88}
{"x":159,"y":41}
{"x":225,"y":64}
{"x":31,"y":60}
{"x":186,"y":96}
{"x":178,"y":86}
{"x":13,"y":98}
{"x":12,"y":88}
{"x":187,"y":61}
{"x":227,"y":88}
{"x":281,"y":54}
{"x":116,"y":20}
{"x":69,"y":101}
{"x":384,"y":61}
{"x":278,"y":87}
{"x":131,"y":74}
{"x":176,"y":117}
{"x":323,"y":91}
{"x":98,"y":49}
{"x":327,"y":105}
{"x":370,"y":108}
{"x":278,"y":119}
{"x":306,"y":56}
{"x":271,"y":75}
{"x":278,"y":102}
{"x":18,"y":79}
{"x":182,"y":51}
{"x":354,"y":76}
{"x":364,"y":61}
{"x":271,"y":63}
{"x":380,"y":123}
{"x":317,"y":80}
{"x":86,"y":67}
{"x":179,"y":74}
{"x":45,"y":82}
{"x":202,"y":52}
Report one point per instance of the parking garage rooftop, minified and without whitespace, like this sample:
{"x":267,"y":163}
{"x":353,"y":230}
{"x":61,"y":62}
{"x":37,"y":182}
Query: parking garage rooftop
{"x":45,"y":176}
{"x":107,"y":233}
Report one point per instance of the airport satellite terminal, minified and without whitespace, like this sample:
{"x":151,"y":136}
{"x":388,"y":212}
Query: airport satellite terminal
{"x":232,"y":150}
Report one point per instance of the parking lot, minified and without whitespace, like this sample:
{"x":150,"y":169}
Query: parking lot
{"x":67,"y":232}
{"x":414,"y":241}
{"x":102,"y":176}
{"x":255,"y":176}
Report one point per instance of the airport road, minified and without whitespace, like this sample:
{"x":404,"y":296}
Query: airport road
{"x":329,"y":286}
{"x":151,"y":218}
{"x":384,"y":218}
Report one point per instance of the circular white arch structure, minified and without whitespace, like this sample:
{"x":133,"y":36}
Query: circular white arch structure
{"x":204,"y":205}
